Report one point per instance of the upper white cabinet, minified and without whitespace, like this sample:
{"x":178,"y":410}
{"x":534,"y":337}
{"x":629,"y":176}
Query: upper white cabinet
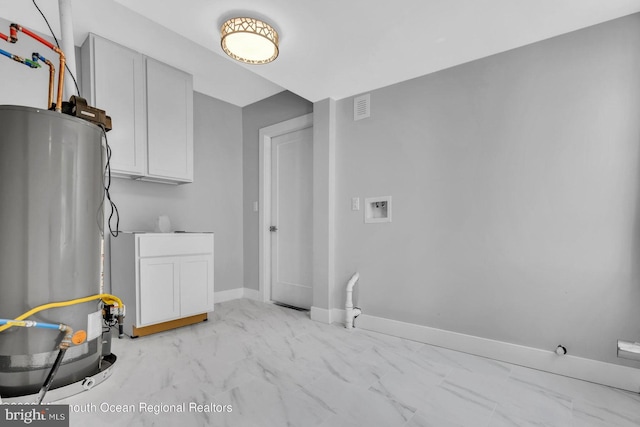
{"x":169,"y":122}
{"x":151,"y":107}
{"x":113,"y":80}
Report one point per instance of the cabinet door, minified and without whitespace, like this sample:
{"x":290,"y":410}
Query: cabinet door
{"x":169,"y":122}
{"x":196,"y":285}
{"x":118,"y":88}
{"x":159,"y":285}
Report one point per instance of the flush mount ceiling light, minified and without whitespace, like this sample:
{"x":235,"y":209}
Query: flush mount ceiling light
{"x":249,"y":40}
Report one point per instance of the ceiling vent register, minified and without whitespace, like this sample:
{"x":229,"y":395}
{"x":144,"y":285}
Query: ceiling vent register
{"x":361,"y":107}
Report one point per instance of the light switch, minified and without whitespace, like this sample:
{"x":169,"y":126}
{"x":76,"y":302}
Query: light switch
{"x":255,"y":206}
{"x":355,"y":204}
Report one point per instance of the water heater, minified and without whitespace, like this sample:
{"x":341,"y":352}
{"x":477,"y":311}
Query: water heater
{"x":51,"y":190}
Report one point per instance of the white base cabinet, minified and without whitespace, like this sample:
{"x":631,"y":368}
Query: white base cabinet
{"x":162,"y":278}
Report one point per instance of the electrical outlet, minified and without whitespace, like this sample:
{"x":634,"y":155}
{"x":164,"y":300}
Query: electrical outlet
{"x":355,"y":204}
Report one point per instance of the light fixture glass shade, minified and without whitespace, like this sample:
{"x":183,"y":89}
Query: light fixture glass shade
{"x":249,"y":40}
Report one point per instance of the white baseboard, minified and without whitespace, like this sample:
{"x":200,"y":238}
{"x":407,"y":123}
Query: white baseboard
{"x":608,"y":374}
{"x":335,"y":315}
{"x":252,"y":294}
{"x":237,"y":293}
{"x":320,"y":314}
{"x":231,"y":294}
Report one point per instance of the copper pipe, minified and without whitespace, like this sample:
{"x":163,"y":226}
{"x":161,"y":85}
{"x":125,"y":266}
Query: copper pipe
{"x":14,"y":28}
{"x":60,"y":78}
{"x":52,"y":74}
{"x":52,"y":71}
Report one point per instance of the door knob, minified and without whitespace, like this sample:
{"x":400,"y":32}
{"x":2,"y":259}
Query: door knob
{"x":273,"y":228}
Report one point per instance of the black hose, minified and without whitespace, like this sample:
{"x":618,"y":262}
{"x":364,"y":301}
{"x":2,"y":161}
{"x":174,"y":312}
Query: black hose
{"x":120,"y":326}
{"x":52,"y":373}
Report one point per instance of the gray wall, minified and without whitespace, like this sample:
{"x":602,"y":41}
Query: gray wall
{"x":269,"y":111}
{"x":211,"y":202}
{"x":515,"y":195}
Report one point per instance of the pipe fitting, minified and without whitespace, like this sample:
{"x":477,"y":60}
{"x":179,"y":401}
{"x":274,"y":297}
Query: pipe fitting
{"x":13,"y":33}
{"x":351,"y":311}
{"x":352,"y":282}
{"x":68,"y":336}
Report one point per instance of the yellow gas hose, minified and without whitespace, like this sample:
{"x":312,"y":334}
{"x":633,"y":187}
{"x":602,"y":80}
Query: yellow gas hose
{"x":107,"y":298}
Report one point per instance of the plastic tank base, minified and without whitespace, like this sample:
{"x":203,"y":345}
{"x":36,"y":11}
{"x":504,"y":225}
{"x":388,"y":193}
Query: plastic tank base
{"x":51,"y":188}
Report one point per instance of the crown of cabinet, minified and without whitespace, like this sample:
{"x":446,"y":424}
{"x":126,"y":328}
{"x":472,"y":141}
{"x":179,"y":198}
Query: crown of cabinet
{"x":151,"y":106}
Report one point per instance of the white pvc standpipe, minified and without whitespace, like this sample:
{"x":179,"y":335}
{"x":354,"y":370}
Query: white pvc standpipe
{"x":67,"y":45}
{"x":350,"y":311}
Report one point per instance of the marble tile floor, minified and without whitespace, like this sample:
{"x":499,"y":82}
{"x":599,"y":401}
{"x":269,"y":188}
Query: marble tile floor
{"x":256,"y":364}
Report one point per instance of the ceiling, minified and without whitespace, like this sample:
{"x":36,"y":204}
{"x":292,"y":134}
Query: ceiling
{"x":328,"y":49}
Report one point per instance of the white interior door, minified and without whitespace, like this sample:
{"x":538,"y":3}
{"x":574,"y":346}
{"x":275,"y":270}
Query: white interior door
{"x":292,"y":218}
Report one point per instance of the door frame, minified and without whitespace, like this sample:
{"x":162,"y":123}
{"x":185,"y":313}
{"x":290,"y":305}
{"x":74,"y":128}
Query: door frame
{"x":265,"y":136}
